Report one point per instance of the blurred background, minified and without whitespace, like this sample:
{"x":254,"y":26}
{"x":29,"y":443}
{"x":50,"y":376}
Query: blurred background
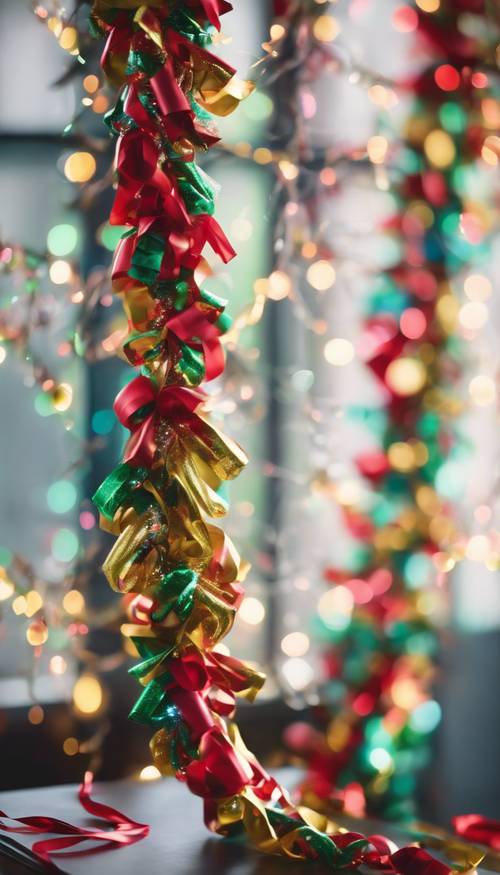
{"x":311,"y":171}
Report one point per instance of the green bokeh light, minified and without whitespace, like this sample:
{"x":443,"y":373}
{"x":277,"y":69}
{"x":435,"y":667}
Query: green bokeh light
{"x":109,"y":235}
{"x":5,"y":556}
{"x":64,"y":545}
{"x":425,"y":717}
{"x":419,"y":570}
{"x":44,"y":405}
{"x":103,"y":421}
{"x":258,"y":106}
{"x":450,"y":480}
{"x":61,"y":496}
{"x":62,"y":239}
{"x":453,"y":117}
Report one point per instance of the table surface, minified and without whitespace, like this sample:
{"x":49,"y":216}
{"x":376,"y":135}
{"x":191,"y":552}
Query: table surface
{"x":178,"y":843}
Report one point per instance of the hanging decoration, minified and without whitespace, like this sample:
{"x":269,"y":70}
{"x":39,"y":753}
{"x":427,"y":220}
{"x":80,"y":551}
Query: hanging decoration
{"x":378,"y":618}
{"x":180,"y":572}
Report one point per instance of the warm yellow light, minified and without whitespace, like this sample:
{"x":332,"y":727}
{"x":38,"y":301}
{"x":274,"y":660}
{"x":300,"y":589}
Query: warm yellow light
{"x":478,"y":548}
{"x":382,"y":96}
{"x":6,"y":587}
{"x":298,"y":673}
{"x":34,"y":602}
{"x":279,"y":286}
{"x":290,"y":171}
{"x":36,"y":715}
{"x":348,"y":492}
{"x":326,"y":28}
{"x":37,"y":633}
{"x":309,"y":249}
{"x":263,"y":155}
{"x":252,"y":611}
{"x":477,"y":287}
{"x":62,"y":397}
{"x":58,"y":664}
{"x":447,"y":309}
{"x":91,"y":84}
{"x":406,"y":376}
{"x":321,"y":275}
{"x":427,"y":500}
{"x":491,"y":112}
{"x":100,"y":103}
{"x":482,"y":390}
{"x":55,"y":26}
{"x":338,"y":351}
{"x":338,"y":600}
{"x":87,"y":694}
{"x":439,"y":148}
{"x":19,"y":605}
{"x":422,"y":212}
{"x":405,"y":693}
{"x":377,"y":149}
{"x":295,"y":644}
{"x":69,"y":39}
{"x":401,"y":457}
{"x":80,"y":167}
{"x":338,"y":734}
{"x":490,"y":152}
{"x":70,"y":747}
{"x":473,"y":315}
{"x":149,"y":773}
{"x":74,"y":602}
{"x":60,"y":272}
{"x":428,"y":5}
{"x":276,"y":32}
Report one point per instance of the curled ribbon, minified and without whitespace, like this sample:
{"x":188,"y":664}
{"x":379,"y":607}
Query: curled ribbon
{"x":126,"y":831}
{"x":138,"y":405}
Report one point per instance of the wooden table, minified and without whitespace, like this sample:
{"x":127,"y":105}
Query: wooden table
{"x":178,"y":843}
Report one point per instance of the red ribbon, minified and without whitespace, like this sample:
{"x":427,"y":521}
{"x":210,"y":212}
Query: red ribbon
{"x":416,"y":861}
{"x":125,"y":832}
{"x":477,"y":828}
{"x":137,"y":407}
{"x":194,"y":325}
{"x":210,"y":9}
{"x":219,"y":772}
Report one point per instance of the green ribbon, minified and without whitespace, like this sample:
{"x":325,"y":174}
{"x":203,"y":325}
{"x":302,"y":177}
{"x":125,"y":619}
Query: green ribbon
{"x":136,"y":358}
{"x":141,"y":62}
{"x":154,"y":707}
{"x":182,"y":22}
{"x":196,"y":188}
{"x":191,"y":365}
{"x":122,"y":489}
{"x":177,"y":592}
{"x":324,"y":846}
{"x":147,"y":258}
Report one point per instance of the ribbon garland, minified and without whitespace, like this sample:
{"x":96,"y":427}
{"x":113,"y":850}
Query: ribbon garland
{"x":183,"y":573}
{"x":381,"y":662}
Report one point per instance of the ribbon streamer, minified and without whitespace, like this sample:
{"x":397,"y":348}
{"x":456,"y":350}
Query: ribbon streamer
{"x":125,"y":830}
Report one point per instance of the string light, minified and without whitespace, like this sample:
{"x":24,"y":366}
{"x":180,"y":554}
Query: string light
{"x":88,"y":695}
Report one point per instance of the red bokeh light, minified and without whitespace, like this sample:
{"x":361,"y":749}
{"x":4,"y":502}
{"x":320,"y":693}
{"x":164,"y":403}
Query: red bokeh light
{"x":412,"y":323}
{"x":363,"y":704}
{"x":404,"y":19}
{"x":447,"y":77}
{"x":479,"y":80}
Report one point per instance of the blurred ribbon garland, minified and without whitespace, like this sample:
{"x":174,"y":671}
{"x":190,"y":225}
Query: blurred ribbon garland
{"x":182,"y":575}
{"x":379,"y":713}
